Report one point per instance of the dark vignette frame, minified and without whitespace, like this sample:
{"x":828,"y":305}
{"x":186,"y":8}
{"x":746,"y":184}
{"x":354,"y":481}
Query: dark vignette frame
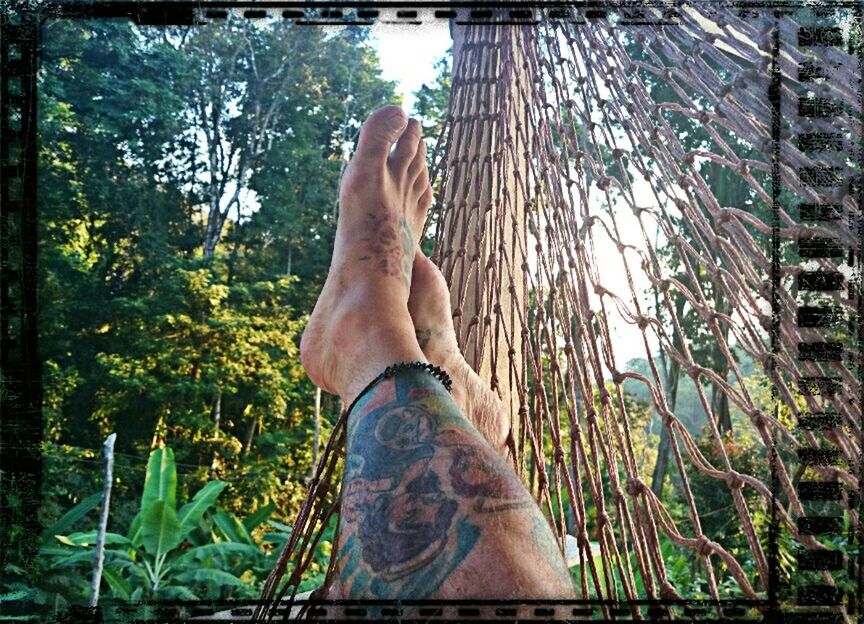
{"x":20,"y":383}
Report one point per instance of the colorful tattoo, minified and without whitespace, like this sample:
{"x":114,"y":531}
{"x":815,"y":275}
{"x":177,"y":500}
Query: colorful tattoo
{"x":419,"y":481}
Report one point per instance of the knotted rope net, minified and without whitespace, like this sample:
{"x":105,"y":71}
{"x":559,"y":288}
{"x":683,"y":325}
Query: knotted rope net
{"x":578,"y":156}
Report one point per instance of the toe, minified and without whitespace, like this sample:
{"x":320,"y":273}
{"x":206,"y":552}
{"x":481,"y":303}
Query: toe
{"x":379,"y":132}
{"x":418,"y":163}
{"x":406,"y":148}
{"x":425,"y":201}
{"x":421,"y":183}
{"x":421,"y":281}
{"x":420,"y":213}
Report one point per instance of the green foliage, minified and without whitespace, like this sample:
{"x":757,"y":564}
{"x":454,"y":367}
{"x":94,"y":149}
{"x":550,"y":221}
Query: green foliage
{"x":194,"y":552}
{"x":156,"y":337}
{"x":147,"y":336}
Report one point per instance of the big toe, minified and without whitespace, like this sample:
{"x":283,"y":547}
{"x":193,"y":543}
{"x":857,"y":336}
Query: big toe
{"x":422,"y":277}
{"x":380,"y":131}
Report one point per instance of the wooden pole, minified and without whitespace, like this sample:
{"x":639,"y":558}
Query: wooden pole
{"x":486,"y":235}
{"x":108,"y":453}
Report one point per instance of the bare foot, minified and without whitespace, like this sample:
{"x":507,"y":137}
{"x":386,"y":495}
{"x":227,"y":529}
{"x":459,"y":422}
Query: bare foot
{"x":360,"y":324}
{"x":429,"y":305}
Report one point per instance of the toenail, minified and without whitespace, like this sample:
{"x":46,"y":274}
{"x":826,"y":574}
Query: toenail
{"x":397,"y":122}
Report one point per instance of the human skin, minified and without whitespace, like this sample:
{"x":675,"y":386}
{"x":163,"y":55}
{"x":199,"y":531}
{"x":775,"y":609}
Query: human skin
{"x":429,"y":507}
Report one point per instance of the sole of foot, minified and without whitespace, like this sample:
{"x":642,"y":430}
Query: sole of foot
{"x":429,"y":306}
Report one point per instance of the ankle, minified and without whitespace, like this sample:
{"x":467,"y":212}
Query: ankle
{"x":380,"y":346}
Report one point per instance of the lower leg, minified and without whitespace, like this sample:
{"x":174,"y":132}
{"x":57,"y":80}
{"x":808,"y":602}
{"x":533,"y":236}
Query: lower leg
{"x":429,"y":508}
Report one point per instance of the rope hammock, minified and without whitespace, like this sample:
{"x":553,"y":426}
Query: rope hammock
{"x":557,"y":149}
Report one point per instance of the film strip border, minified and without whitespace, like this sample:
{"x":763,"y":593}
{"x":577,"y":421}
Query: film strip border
{"x":461,"y":14}
{"x":435,"y":611}
{"x":20,"y":386}
{"x":829,"y":269}
{"x":369,"y":13}
{"x":20,"y":400}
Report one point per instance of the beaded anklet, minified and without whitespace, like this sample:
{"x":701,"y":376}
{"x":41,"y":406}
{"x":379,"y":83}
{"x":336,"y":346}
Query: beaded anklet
{"x":391,"y":371}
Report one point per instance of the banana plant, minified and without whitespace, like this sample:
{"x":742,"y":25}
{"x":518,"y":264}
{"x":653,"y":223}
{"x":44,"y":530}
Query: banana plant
{"x":155,"y":560}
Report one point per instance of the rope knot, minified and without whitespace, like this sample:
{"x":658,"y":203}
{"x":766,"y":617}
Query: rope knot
{"x":582,"y":540}
{"x":734,"y":480}
{"x":559,"y":455}
{"x":667,"y":591}
{"x":642,"y":321}
{"x":703,"y":546}
{"x":603,"y":519}
{"x":618,"y":377}
{"x":634,"y":486}
{"x":668,"y":419}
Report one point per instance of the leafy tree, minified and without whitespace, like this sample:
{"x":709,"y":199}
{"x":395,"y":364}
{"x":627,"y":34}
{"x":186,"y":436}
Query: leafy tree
{"x":154,"y":331}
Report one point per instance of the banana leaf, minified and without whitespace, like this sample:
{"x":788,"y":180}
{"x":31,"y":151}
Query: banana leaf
{"x":72,"y":516}
{"x":192,"y":511}
{"x":252,"y":521}
{"x":119,"y":586}
{"x":161,"y":480}
{"x":209,"y":577}
{"x":160,"y":529}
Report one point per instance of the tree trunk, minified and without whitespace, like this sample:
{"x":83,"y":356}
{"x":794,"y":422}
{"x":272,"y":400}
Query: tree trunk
{"x":478,"y":288}
{"x":662,"y":465}
{"x":720,"y":407}
{"x":673,"y":372}
{"x":216,"y":411}
{"x":250,"y":436}
{"x":216,"y":414}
